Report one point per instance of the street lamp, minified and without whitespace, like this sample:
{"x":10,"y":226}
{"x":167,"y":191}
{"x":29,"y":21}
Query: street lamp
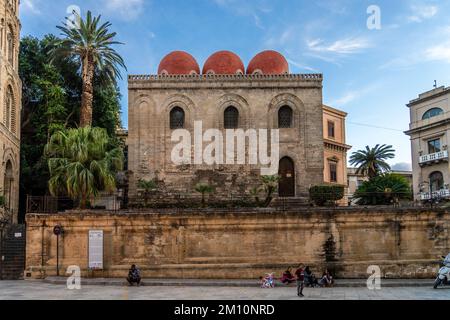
{"x":57,"y":231}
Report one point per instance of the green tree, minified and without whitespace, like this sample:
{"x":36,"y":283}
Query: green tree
{"x":204,"y":188}
{"x":91,"y":45}
{"x":383,"y":189}
{"x":82,"y":162}
{"x":270,"y":185}
{"x":51,"y":98}
{"x":372,"y":161}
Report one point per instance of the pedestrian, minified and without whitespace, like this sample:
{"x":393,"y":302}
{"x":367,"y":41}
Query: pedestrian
{"x":300,"y":274}
{"x":310,"y":278}
{"x":134,"y":276}
{"x":327,"y":279}
{"x":287,"y":277}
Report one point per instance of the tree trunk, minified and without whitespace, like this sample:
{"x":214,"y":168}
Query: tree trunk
{"x":88,"y":91}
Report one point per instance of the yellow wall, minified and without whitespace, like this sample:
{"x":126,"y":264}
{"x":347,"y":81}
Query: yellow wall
{"x":243,"y":244}
{"x":335,"y":148}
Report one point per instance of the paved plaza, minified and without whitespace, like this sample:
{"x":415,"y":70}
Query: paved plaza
{"x":36,"y":290}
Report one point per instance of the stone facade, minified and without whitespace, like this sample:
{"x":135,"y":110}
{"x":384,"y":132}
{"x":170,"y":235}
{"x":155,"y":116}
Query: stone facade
{"x":430,"y":135}
{"x":258,"y":99}
{"x":10,"y":102}
{"x":405,"y":243}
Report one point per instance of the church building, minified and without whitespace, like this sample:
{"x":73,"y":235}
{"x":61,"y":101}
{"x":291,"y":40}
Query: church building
{"x":225,"y":95}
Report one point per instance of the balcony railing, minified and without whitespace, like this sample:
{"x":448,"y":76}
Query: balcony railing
{"x":434,"y":157}
{"x":441,"y":194}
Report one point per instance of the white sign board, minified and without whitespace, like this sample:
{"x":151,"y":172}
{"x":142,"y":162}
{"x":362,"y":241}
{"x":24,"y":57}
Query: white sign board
{"x":96,"y":249}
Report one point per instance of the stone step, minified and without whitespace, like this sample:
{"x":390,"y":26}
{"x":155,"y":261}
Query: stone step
{"x":234,"y":283}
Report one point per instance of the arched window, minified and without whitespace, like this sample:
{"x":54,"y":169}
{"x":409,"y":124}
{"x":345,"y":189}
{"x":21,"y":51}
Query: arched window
{"x":436,"y":181}
{"x":285,"y":117}
{"x":9,"y":115}
{"x":7,"y":184}
{"x":231,"y":118}
{"x":432,"y":113}
{"x":177,"y":118}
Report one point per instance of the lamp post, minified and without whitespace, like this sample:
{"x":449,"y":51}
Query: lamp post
{"x":57,"y":230}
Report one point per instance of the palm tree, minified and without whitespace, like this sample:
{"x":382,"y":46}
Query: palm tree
{"x":204,"y":189}
{"x":90,"y":46}
{"x":82,"y":162}
{"x":372,"y":161}
{"x":148,"y":186}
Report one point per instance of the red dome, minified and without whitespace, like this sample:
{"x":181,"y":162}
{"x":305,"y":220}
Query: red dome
{"x":224,"y":62}
{"x":178,"y":62}
{"x":268,"y":62}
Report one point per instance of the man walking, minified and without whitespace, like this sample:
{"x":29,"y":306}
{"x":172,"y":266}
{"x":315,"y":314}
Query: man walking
{"x":300,"y":274}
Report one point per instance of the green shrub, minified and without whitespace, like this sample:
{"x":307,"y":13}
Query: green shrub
{"x":383,"y":190}
{"x":324,"y":194}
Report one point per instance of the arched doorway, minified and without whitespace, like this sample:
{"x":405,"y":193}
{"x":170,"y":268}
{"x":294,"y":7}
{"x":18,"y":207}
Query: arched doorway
{"x":7,"y":184}
{"x":436,"y":181}
{"x":286,"y":186}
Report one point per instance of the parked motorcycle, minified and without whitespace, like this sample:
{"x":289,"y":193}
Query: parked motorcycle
{"x":444,"y":273}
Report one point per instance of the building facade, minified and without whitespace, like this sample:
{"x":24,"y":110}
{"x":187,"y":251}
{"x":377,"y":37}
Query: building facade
{"x":335,"y":147}
{"x":430,"y":133}
{"x":224,"y":96}
{"x":10,"y":99}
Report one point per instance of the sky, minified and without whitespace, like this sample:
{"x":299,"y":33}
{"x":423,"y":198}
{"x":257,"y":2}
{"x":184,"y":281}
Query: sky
{"x":371,"y":73}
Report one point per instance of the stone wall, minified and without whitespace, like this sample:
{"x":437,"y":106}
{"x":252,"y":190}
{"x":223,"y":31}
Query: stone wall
{"x":245,"y":243}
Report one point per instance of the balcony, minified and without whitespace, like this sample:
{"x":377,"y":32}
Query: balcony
{"x":433,"y":158}
{"x":441,"y":194}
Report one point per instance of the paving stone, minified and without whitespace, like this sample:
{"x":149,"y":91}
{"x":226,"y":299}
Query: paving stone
{"x":37,"y":290}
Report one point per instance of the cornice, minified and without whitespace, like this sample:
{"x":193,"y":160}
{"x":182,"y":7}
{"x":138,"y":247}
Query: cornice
{"x":336,"y":145}
{"x":224,"y":81}
{"x":428,"y":126}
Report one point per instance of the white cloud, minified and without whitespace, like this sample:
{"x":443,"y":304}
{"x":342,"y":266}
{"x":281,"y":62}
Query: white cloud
{"x":346,"y":98}
{"x":30,"y":6}
{"x":402,"y":166}
{"x":353,"y":95}
{"x":439,"y":53}
{"x":127,"y":9}
{"x":344,"y":46}
{"x":421,"y":13}
{"x":301,"y":66}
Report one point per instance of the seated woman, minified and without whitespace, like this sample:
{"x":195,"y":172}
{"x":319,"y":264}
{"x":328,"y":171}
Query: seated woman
{"x":287,"y":277}
{"x":134,"y":276}
{"x":310,"y":278}
{"x":327,"y":279}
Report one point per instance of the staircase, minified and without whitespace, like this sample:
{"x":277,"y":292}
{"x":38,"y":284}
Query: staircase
{"x":12,"y":253}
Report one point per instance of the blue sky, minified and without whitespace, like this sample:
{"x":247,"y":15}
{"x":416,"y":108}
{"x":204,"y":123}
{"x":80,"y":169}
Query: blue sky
{"x":371,"y":74}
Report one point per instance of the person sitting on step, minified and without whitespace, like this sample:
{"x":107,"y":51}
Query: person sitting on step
{"x":134,"y":276}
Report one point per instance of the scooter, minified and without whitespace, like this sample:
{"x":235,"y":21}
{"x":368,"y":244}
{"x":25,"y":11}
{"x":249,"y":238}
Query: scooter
{"x":444,"y":273}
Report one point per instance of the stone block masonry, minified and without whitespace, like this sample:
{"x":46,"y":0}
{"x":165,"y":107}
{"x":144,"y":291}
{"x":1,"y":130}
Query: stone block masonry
{"x":244,"y":244}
